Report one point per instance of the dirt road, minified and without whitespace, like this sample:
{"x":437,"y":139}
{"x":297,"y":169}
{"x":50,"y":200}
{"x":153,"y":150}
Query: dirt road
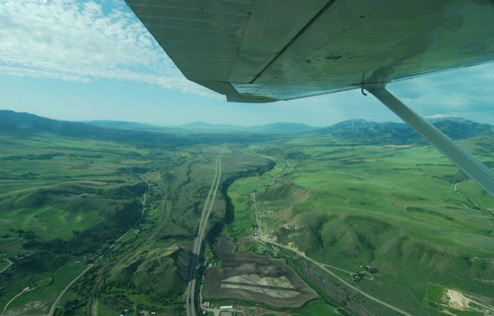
{"x":319,"y":264}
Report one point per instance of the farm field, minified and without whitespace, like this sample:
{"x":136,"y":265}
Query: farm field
{"x":402,"y":212}
{"x":117,"y":217}
{"x":63,"y":202}
{"x":313,"y":223}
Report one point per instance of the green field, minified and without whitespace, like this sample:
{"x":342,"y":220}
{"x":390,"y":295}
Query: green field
{"x":318,"y":309}
{"x":393,"y":208}
{"x":62,"y":202}
{"x":401,"y":218}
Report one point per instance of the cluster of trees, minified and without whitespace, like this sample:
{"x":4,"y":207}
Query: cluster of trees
{"x":71,"y":307}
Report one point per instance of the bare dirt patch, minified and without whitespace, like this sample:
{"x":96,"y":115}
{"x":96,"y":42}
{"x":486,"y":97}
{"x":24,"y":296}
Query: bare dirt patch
{"x":30,"y":308}
{"x":469,"y":302}
{"x":457,"y":300}
{"x":251,"y":277}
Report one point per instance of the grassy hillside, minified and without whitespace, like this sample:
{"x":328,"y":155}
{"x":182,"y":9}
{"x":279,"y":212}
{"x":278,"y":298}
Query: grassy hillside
{"x":26,"y":125}
{"x":69,"y":191}
{"x":405,"y":211}
{"x":410,"y":227}
{"x":62,"y":203}
{"x":154,"y":274}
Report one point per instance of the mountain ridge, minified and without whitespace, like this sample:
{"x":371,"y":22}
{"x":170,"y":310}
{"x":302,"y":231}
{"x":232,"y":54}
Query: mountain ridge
{"x":273,"y":127}
{"x":391,"y":132}
{"x":135,"y":126}
{"x":26,"y":124}
{"x":356,"y":130}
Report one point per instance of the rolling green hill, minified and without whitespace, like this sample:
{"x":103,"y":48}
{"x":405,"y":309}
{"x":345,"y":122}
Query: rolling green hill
{"x":369,"y":202}
{"x":280,"y":127}
{"x":128,"y":125}
{"x":24,"y":124}
{"x":403,"y":210}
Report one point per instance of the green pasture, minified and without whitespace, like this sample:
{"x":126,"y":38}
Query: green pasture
{"x":49,"y":222}
{"x":318,"y":309}
{"x":404,"y":210}
{"x":3,"y":264}
{"x":49,"y":287}
{"x":392,"y":207}
{"x":240,"y":193}
{"x":53,"y":186}
{"x":59,"y":190}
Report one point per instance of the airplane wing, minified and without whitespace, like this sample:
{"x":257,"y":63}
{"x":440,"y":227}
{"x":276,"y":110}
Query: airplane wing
{"x":269,"y":50}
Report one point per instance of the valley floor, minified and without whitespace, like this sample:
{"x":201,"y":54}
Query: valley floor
{"x":305,"y":224}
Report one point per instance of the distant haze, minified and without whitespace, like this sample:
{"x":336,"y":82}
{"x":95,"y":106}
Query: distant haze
{"x":356,"y":131}
{"x":93,"y":60}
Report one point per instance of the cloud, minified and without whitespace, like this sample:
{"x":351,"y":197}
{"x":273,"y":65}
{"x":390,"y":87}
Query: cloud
{"x":24,"y":72}
{"x":438,"y":116}
{"x":466,"y":92}
{"x":81,"y":41}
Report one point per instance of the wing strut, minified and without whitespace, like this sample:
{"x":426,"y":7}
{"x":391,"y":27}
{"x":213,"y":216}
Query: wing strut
{"x":466,"y":162}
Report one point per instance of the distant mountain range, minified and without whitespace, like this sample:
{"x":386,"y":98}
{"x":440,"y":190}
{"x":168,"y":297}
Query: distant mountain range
{"x":127,"y":125}
{"x":25,"y":124}
{"x":14,"y":123}
{"x":281,"y":127}
{"x":200,"y":126}
{"x":286,"y":127}
{"x":358,"y":131}
{"x":389,"y":132}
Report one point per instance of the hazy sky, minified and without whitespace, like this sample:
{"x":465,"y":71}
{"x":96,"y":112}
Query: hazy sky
{"x":84,"y":60}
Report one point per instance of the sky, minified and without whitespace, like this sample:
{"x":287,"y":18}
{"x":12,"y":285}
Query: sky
{"x":93,"y":60}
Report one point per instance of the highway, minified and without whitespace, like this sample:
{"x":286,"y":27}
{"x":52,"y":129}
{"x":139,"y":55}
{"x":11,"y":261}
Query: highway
{"x":206,"y":211}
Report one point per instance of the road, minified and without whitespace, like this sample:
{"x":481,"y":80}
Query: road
{"x":25,"y":290}
{"x":206,"y":211}
{"x":9,"y":262}
{"x":111,"y":265}
{"x":54,"y":305}
{"x":319,"y":264}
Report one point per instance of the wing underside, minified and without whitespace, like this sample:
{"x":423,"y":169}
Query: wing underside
{"x":267,"y":50}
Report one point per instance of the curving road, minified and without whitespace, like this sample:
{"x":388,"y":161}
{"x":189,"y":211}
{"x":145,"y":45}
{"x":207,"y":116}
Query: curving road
{"x":9,"y":262}
{"x":208,"y":206}
{"x":320,"y":265}
{"x":25,"y":290}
